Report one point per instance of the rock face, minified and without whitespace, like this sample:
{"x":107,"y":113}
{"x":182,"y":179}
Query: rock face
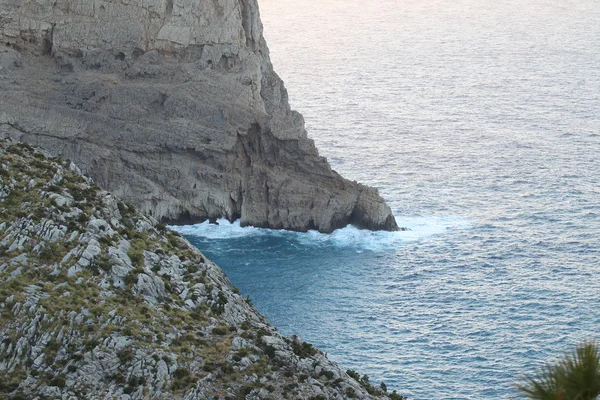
{"x":100,"y":302}
{"x":174,"y":106}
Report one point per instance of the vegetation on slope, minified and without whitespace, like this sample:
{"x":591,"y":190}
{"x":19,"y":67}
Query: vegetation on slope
{"x":99,"y":301}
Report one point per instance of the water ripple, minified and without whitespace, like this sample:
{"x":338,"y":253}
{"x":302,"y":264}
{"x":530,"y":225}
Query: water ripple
{"x":478,"y":122}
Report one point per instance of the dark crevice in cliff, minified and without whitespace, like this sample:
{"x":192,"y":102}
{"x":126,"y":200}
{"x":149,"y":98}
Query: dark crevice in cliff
{"x":48,"y":42}
{"x":185,"y":218}
{"x":247,"y":25}
{"x":261,"y":145}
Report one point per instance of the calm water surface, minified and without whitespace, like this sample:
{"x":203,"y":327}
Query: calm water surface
{"x":479,"y":122}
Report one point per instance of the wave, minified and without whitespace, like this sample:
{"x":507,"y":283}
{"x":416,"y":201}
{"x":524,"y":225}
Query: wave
{"x":420,"y":227}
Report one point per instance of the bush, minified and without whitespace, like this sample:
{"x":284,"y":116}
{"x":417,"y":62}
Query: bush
{"x":192,"y":268}
{"x":327,"y":374}
{"x":83,"y":218}
{"x":132,"y":276}
{"x":136,"y":255}
{"x":90,"y":344}
{"x":246,"y":390}
{"x":181,"y":373}
{"x":183,"y":379}
{"x":220,"y":330}
{"x":304,"y":350}
{"x":58,"y":381}
{"x":395,"y":396}
{"x":270,"y":351}
{"x":353,"y":374}
{"x":125,"y":356}
{"x":49,"y":253}
{"x":372,"y":390}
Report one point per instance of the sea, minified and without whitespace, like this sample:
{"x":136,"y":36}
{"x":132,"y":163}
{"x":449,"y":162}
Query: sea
{"x":479,"y":123}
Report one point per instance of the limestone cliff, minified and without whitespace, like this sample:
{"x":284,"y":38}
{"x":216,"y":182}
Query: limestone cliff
{"x":98,"y":301}
{"x":174,"y":106}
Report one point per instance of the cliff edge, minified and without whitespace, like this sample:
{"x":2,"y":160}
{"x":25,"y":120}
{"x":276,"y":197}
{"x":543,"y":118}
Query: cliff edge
{"x":174,"y":106}
{"x":98,"y":301}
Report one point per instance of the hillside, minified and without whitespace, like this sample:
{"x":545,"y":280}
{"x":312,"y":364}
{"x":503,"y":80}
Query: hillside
{"x":98,"y":301}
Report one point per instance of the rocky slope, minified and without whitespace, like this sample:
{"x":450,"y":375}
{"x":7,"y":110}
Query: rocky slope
{"x":174,"y":106}
{"x":98,"y":301}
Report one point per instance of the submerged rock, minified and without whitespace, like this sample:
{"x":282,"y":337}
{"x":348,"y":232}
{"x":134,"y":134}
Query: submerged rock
{"x":174,"y":106}
{"x":98,"y":301}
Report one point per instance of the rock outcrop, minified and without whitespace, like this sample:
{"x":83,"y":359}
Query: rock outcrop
{"x":174,"y":106}
{"x":98,"y":301}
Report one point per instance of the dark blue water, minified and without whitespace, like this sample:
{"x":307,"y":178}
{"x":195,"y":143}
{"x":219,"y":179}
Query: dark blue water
{"x":479,"y":121}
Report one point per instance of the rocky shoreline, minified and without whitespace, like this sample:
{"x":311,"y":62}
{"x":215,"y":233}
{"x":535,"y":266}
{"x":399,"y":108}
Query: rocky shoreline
{"x":98,"y":301}
{"x":171,"y":108}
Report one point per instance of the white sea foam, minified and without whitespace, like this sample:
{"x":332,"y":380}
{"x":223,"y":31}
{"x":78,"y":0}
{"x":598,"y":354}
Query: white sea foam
{"x":420,"y":227}
{"x":223,"y":229}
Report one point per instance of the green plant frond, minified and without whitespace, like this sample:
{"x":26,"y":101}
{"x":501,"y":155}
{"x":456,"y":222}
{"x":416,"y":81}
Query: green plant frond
{"x":581,"y":372}
{"x":575,"y":377}
{"x":541,"y":386}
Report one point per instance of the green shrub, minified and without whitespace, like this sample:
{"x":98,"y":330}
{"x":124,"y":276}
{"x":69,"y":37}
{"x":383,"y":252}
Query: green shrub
{"x":246,"y":390}
{"x":58,"y":381}
{"x":104,"y":263}
{"x":136,"y":252}
{"x":136,"y":256}
{"x":353,"y":374}
{"x":90,"y":344}
{"x":395,"y":396}
{"x":303,"y":350}
{"x":181,"y":373}
{"x":10,"y":382}
{"x":50,"y":253}
{"x":327,"y":374}
{"x":106,"y":240}
{"x":192,"y":268}
{"x":128,"y":389}
{"x":269,"y":351}
{"x":125,"y":356}
{"x":132,"y":277}
{"x":208,"y":367}
{"x":220,"y":330}
{"x":83,"y":218}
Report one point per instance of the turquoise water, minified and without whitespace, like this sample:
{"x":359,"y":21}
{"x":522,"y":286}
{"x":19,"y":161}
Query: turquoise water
{"x":479,"y":122}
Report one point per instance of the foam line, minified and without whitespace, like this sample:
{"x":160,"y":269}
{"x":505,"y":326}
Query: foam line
{"x":421,"y":227}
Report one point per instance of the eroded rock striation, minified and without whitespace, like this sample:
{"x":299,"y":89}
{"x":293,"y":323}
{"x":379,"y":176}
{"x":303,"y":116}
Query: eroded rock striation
{"x":174,"y":106}
{"x":98,"y":301}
